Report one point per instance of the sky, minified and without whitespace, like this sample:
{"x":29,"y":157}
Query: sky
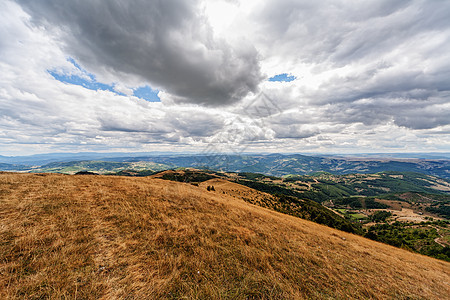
{"x":234,"y":76}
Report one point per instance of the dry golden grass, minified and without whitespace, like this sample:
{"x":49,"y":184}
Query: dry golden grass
{"x":99,"y":237}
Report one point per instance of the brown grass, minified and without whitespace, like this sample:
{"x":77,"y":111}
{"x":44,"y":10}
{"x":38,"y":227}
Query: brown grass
{"x":91,"y":237}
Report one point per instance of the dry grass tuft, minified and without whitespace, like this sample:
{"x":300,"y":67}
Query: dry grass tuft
{"x":91,"y":237}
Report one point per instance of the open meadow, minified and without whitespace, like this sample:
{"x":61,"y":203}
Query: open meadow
{"x":91,"y":237}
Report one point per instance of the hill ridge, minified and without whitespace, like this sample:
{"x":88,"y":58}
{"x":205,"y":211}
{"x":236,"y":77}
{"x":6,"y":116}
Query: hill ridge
{"x":166,"y":239}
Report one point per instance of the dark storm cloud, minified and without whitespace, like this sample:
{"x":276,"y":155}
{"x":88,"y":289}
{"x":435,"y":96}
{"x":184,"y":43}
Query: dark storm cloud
{"x":168,"y":44}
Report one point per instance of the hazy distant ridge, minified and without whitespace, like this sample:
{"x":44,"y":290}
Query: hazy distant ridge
{"x":269,"y":164}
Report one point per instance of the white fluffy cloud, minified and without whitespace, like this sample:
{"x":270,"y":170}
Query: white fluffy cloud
{"x":370,"y":76}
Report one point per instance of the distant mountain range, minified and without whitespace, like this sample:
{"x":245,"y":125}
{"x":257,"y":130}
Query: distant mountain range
{"x":42,"y":159}
{"x":13,"y":167}
{"x":269,"y":164}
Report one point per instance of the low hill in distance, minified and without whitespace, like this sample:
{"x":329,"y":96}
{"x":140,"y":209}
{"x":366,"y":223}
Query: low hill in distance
{"x":280,"y":165}
{"x":268,"y":164}
{"x":128,"y":237}
{"x":100,"y":167}
{"x":13,"y":167}
{"x":284,"y":164}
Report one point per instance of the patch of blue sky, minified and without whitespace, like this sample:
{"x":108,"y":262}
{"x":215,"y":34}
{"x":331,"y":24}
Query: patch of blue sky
{"x":83,"y":81}
{"x":284,"y":77}
{"x":147,"y":93}
{"x":88,"y":81}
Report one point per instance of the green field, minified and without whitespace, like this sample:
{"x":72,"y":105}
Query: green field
{"x":358,"y":216}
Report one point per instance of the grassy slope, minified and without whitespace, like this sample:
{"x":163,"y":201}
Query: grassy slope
{"x":99,"y":236}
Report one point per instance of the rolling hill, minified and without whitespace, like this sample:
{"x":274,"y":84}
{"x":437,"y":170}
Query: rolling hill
{"x":284,"y":164}
{"x":77,"y":236}
{"x":268,"y":164}
{"x":13,"y":167}
{"x":101,"y":167}
{"x":286,"y":203}
{"x":325,"y":186}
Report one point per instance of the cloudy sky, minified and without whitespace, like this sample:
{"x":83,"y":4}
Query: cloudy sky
{"x":224,"y":76}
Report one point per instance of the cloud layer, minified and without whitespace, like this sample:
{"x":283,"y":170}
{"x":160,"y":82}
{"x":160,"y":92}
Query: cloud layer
{"x":368,"y":76}
{"x":168,"y":44}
